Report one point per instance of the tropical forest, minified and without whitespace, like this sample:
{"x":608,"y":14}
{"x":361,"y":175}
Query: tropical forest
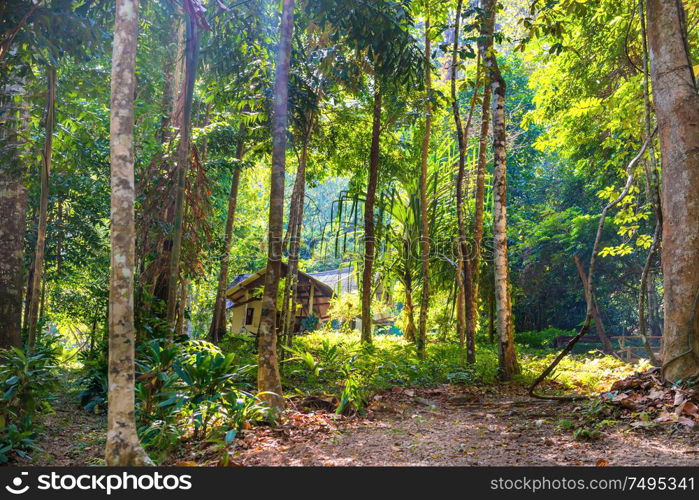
{"x":349,"y":233}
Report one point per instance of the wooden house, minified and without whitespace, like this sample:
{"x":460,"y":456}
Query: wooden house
{"x":244,"y":299}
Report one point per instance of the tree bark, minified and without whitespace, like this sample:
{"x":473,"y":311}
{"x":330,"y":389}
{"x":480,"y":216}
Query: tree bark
{"x":503,"y":306}
{"x":411,"y":333}
{"x":188,"y":78}
{"x":463,"y":268}
{"x":424,"y":220}
{"x":646,"y":292}
{"x":13,"y":207}
{"x":295,"y":230}
{"x":369,"y":243}
{"x":599,"y":325}
{"x":123,"y":447}
{"x":677,"y":113}
{"x":484,"y":45}
{"x":39,"y":250}
{"x":268,"y":380}
{"x":218,"y":320}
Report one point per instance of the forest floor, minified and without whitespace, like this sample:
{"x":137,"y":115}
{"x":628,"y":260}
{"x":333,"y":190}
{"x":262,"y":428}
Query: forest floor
{"x":458,"y":426}
{"x":444,"y":425}
{"x":71,"y":436}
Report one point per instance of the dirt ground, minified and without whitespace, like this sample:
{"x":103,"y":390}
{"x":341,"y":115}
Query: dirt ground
{"x":444,"y":426}
{"x":450,"y":427}
{"x":71,"y":435}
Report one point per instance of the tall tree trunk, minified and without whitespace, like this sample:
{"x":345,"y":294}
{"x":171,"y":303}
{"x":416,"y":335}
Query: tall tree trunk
{"x":410,"y":330}
{"x":218,"y":320}
{"x":491,"y":317}
{"x":123,"y":447}
{"x":646,"y":290}
{"x":484,"y":45}
{"x":503,"y":305}
{"x":677,"y":112}
{"x":268,"y":380}
{"x":181,"y":308}
{"x":173,"y":102}
{"x":189,"y":76}
{"x":40,"y":248}
{"x":295,"y":229}
{"x":424,"y":220}
{"x":13,"y":207}
{"x":463,"y":269}
{"x":369,"y":243}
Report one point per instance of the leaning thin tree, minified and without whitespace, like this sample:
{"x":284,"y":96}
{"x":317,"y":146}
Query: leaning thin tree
{"x":123,"y":447}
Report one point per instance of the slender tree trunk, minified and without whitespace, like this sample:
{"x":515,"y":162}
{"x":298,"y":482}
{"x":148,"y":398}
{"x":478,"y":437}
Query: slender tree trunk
{"x":461,"y":292}
{"x":677,"y":112}
{"x":491,"y":318}
{"x":268,"y":380}
{"x":484,"y":45}
{"x":123,"y":447}
{"x":463,"y":268}
{"x":654,"y":321}
{"x":218,"y":320}
{"x":28,"y":295}
{"x":599,"y":325}
{"x":410,"y":330}
{"x":503,"y":305}
{"x":369,"y":242}
{"x":40,"y":248}
{"x":189,"y":76}
{"x":59,"y":237}
{"x":424,"y":220}
{"x":646,"y":291}
{"x":13,"y":207}
{"x":181,"y":308}
{"x":173,"y":102}
{"x":295,"y":229}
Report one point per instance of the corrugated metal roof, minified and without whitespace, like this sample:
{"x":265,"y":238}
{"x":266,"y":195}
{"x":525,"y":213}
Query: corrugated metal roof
{"x":340,"y":280}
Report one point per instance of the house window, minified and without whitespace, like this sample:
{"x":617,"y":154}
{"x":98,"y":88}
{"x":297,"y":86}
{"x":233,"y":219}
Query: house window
{"x":249,"y":314}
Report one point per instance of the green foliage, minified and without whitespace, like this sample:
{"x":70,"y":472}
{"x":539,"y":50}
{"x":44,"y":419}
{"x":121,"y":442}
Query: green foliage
{"x":541,"y":339}
{"x":337,"y":363}
{"x":26,"y":382}
{"x":93,"y":380}
{"x":189,"y":391}
{"x":344,"y":308}
{"x":588,"y":373}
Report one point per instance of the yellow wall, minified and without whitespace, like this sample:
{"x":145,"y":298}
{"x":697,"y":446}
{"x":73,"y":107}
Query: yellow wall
{"x":238,"y":317}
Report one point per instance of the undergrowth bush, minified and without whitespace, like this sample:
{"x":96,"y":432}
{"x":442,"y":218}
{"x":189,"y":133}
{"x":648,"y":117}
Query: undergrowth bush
{"x":588,"y":373}
{"x":541,"y":338}
{"x":337,"y":363}
{"x":27,"y":382}
{"x":189,"y":390}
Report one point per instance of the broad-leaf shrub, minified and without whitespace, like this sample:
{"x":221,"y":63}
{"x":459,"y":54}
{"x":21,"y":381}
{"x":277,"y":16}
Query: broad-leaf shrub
{"x":26,"y":383}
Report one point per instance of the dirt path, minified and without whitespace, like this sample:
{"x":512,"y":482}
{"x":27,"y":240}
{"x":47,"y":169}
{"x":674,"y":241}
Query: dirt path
{"x":71,"y":436}
{"x":447,"y":426}
{"x":442,"y":426}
